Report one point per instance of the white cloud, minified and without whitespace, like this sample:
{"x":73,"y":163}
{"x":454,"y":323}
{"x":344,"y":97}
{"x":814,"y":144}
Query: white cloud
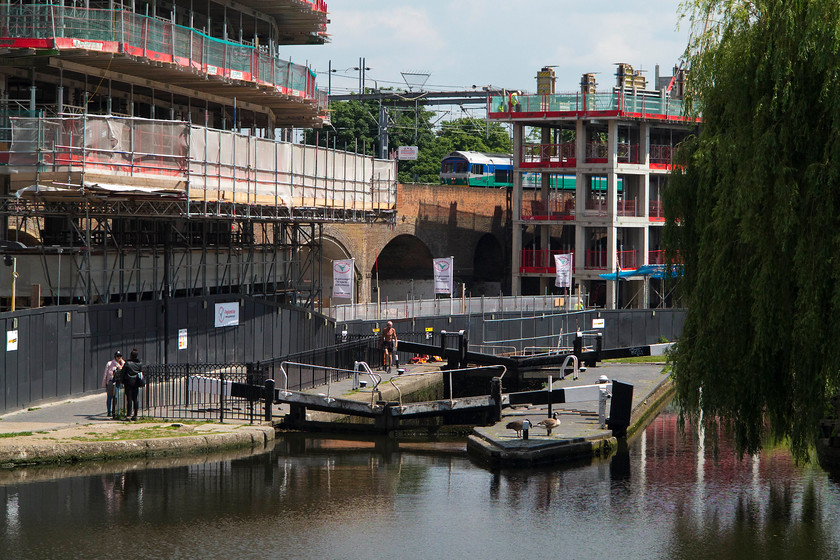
{"x":497,"y":42}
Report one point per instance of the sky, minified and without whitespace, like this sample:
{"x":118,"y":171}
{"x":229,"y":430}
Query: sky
{"x":462,"y":43}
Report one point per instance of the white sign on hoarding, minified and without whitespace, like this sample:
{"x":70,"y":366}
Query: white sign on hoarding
{"x":443,"y":275}
{"x":343,"y":278}
{"x":563,"y":265}
{"x":11,"y":340}
{"x":597,"y":323}
{"x":227,"y":314}
{"x":182,"y":339}
{"x":406,"y":153}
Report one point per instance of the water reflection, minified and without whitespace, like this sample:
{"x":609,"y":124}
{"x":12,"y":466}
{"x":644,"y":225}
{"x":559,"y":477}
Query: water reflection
{"x":663,"y":497}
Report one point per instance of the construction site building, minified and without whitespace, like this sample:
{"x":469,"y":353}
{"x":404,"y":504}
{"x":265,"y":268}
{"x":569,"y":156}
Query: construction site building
{"x":146,"y":153}
{"x":615,"y":149}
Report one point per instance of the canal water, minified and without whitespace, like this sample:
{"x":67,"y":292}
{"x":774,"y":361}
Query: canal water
{"x":664,"y":497}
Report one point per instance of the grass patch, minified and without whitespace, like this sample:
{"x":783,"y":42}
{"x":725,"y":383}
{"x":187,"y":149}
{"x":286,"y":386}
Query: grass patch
{"x":15,"y":434}
{"x":152,"y":432}
{"x":637,"y":360}
{"x":33,"y":408}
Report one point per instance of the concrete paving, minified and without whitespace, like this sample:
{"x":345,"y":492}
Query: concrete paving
{"x":579,"y":433}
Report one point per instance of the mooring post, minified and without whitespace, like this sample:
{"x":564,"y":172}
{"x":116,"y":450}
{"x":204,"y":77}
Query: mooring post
{"x":526,"y":425}
{"x":269,"y":398}
{"x":599,"y":344}
{"x":578,"y":346}
{"x":463,"y":342}
{"x":385,"y":421}
{"x":496,"y":395}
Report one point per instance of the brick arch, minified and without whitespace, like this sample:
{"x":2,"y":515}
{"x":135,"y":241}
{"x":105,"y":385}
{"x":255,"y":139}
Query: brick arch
{"x":404,"y":256}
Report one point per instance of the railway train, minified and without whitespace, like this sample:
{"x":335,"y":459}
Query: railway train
{"x":477,"y":169}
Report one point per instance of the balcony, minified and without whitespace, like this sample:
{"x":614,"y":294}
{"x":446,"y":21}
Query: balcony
{"x":629,"y":153}
{"x":596,"y":152}
{"x":628,"y":208}
{"x":248,"y":72}
{"x":561,"y":206}
{"x":658,"y":257}
{"x":540,"y":261}
{"x":548,"y":155}
{"x":656,"y":212}
{"x":596,"y":207}
{"x":660,"y":156}
{"x":597,"y":259}
{"x":643,"y":104}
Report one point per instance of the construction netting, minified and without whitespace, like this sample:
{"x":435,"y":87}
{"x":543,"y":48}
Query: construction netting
{"x":116,"y":146}
{"x":48,"y":26}
{"x":168,"y":157}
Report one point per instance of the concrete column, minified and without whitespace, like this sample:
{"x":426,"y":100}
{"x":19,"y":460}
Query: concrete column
{"x":612,"y":245}
{"x":516,"y":209}
{"x":580,"y":198}
{"x":643,"y":259}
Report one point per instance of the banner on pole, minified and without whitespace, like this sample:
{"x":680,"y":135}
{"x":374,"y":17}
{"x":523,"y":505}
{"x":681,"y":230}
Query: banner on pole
{"x":563,"y":265}
{"x":343,"y":278}
{"x":227,"y":314}
{"x":443,"y":275}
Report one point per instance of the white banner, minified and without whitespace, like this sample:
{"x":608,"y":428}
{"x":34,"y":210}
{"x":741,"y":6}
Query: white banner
{"x":343,"y":278}
{"x":443,"y":275}
{"x":182,"y":339}
{"x":563,"y":264}
{"x":227,"y":314}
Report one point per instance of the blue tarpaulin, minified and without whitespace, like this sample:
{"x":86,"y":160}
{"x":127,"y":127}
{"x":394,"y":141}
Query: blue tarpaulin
{"x":644,"y":271}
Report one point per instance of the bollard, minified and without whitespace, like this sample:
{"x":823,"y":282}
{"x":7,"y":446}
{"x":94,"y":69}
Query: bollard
{"x":526,"y":425}
{"x":577,"y":346}
{"x":496,"y":394}
{"x":602,"y":401}
{"x":269,"y":398}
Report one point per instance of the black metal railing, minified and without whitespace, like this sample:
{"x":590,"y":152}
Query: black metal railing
{"x":203,"y":392}
{"x":339,"y":359}
{"x":236,"y":391}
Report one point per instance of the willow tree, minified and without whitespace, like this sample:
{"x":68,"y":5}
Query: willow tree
{"x":755,"y":215}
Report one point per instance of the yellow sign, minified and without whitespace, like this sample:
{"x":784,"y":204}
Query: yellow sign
{"x":376,"y":329}
{"x":430,"y":329}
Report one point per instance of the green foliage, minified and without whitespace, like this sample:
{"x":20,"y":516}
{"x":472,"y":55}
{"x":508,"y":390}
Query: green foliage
{"x":355,"y":127}
{"x":753,"y":214}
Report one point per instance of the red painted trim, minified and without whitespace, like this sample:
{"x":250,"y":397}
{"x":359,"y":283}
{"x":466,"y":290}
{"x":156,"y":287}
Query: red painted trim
{"x":18,"y":43}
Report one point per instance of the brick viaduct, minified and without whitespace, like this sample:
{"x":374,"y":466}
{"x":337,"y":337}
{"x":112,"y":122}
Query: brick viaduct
{"x":471,"y":224}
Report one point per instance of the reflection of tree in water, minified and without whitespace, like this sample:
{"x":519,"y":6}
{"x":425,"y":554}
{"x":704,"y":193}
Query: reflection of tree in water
{"x":783,"y":527}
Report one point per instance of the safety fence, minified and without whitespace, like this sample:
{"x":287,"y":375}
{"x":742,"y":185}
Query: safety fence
{"x":48,"y":26}
{"x":617,"y":101}
{"x":196,"y":162}
{"x":441,"y":307}
{"x":202,"y":392}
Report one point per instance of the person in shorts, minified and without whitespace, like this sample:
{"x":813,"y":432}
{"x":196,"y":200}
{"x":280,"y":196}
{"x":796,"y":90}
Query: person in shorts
{"x":389,"y":345}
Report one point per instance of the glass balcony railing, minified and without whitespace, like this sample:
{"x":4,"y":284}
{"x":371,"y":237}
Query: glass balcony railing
{"x":627,"y":103}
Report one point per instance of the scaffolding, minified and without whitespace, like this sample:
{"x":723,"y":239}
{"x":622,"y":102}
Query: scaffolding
{"x":147,"y":209}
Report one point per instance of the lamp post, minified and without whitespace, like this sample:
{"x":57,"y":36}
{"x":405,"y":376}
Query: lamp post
{"x":361,"y":68}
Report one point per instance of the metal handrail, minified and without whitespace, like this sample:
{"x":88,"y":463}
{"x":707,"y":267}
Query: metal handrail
{"x":452,"y":400}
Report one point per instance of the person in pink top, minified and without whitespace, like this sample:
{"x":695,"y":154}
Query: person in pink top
{"x":111,"y":384}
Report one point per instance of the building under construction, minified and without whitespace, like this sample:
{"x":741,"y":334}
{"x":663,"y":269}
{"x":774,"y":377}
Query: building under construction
{"x":145,"y":154}
{"x":589,"y":171}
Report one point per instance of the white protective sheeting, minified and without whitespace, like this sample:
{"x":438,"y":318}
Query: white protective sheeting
{"x":230,"y":166}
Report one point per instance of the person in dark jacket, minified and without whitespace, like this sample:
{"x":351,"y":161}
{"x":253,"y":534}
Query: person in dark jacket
{"x":130,"y":378}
